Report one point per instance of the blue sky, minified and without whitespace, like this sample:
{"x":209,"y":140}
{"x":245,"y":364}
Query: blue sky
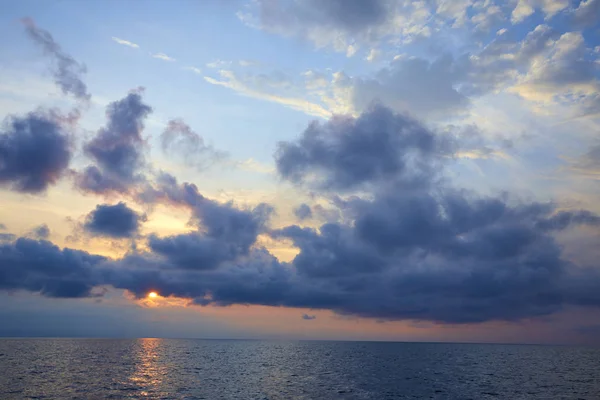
{"x":278,"y":103}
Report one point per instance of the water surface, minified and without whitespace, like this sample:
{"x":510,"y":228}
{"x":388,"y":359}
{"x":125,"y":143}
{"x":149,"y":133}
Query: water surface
{"x":227,"y":369}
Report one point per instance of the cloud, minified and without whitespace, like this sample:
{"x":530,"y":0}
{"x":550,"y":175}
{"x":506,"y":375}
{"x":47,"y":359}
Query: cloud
{"x":315,"y":79}
{"x":40,"y":266}
{"x":328,"y":214}
{"x":522,"y":10}
{"x":163,"y":56}
{"x":192,"y":251}
{"x":218,"y":64}
{"x":226,"y":234}
{"x":543,"y":66}
{"x":400,"y":251}
{"x":587,"y":13}
{"x":373,"y":55}
{"x":413,"y":85}
{"x":167,"y":190}
{"x":348,"y":25}
{"x":116,"y":221}
{"x":125,"y":42}
{"x":231,"y":81}
{"x":178,"y":139}
{"x":248,"y":63}
{"x":194,"y":70}
{"x":252,"y":165}
{"x":474,"y":260}
{"x":340,"y":24}
{"x":117,"y":148}
{"x":35,"y":151}
{"x":41,"y":232}
{"x":345,"y":152}
{"x":589,"y":163}
{"x":565,"y":71}
{"x":223,"y":232}
{"x":525,"y":8}
{"x":7,"y":237}
{"x":66,"y":71}
{"x":303,"y":212}
{"x":351,"y":50}
{"x":2,"y":227}
{"x":307,"y":317}
{"x":444,"y":258}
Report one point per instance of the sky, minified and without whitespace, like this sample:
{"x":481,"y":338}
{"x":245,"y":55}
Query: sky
{"x":301,"y":169}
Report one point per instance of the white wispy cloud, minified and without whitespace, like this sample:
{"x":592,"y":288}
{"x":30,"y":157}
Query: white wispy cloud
{"x":233,"y":82}
{"x":125,"y":42}
{"x":193,"y":69}
{"x":252,"y":165}
{"x":247,"y":63}
{"x":373,"y":55}
{"x":163,"y":56}
{"x":218,"y":64}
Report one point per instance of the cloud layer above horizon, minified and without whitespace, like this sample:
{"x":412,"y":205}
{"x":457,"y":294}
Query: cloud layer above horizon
{"x":395,"y":213}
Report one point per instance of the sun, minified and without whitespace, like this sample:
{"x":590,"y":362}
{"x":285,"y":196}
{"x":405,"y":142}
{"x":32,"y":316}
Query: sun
{"x":152,"y":295}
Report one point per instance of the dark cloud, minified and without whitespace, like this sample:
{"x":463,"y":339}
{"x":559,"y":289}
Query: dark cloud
{"x":347,"y":152}
{"x":450,"y":259}
{"x":303,"y":212}
{"x":167,"y":190}
{"x":587,"y":13}
{"x":308,"y":317}
{"x":7,"y":237}
{"x":117,"y":149}
{"x":193,"y":250}
{"x":350,"y":16}
{"x":117,"y":221}
{"x":341,"y":23}
{"x":398,"y":252}
{"x":256,"y":278}
{"x":66,"y":71}
{"x":35,"y":151}
{"x":441,"y":257}
{"x":40,"y":266}
{"x":94,"y":180}
{"x":329,"y":214}
{"x":178,"y":139}
{"x":225,"y":233}
{"x":428,"y":252}
{"x":41,"y":232}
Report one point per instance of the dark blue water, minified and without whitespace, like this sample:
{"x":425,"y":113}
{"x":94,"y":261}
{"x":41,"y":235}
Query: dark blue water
{"x":214,"y":369}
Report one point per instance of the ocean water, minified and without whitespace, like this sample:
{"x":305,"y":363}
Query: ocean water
{"x":230,"y":369}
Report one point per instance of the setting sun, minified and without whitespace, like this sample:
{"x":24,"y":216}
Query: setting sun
{"x":152,"y":295}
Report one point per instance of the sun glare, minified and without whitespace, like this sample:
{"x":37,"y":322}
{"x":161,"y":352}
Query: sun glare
{"x":152,"y":295}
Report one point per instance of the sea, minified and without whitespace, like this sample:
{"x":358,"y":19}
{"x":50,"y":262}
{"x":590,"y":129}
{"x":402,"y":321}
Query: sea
{"x":247,"y":369}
